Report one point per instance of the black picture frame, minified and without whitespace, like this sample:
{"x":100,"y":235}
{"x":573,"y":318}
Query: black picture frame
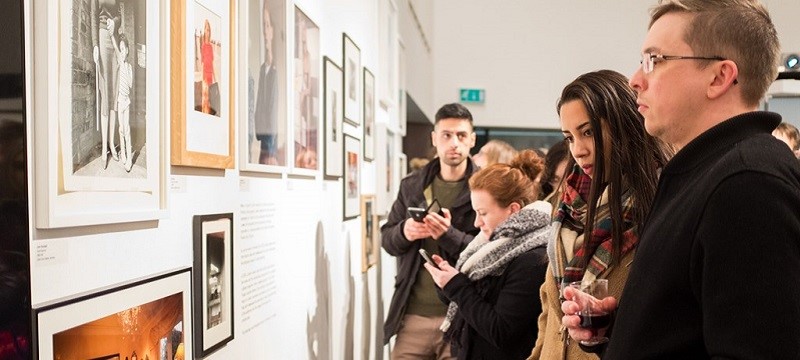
{"x":351,"y":91}
{"x":158,"y":305}
{"x":334,"y":117}
{"x":212,"y":282}
{"x":352,"y":177}
{"x":369,"y":115}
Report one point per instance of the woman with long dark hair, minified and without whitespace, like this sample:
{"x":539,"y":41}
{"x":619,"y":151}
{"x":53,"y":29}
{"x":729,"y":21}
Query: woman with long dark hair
{"x":605,"y":200}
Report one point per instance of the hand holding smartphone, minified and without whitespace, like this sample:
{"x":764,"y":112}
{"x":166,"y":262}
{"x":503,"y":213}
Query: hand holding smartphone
{"x":418,"y":213}
{"x":427,"y":258}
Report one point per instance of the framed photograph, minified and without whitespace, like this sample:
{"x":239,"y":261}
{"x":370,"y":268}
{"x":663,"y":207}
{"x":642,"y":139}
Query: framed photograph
{"x":307,"y":66}
{"x":142,"y":319}
{"x":403,"y":163}
{"x":334,"y":116}
{"x":99,"y":135}
{"x":369,"y":115}
{"x":402,"y":101}
{"x":202,"y":118}
{"x":369,"y":233}
{"x":352,"y":176}
{"x":262,"y":75}
{"x":387,"y":48}
{"x":213,"y":282}
{"x":351,"y":65}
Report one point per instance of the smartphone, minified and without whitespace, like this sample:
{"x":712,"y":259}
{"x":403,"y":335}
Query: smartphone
{"x":427,"y":258}
{"x":434,"y":207}
{"x":417,"y":213}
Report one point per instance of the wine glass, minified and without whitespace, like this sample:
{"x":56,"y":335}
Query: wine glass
{"x":588,"y":294}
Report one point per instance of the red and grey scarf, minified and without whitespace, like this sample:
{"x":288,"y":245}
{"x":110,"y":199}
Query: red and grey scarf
{"x":565,"y":250}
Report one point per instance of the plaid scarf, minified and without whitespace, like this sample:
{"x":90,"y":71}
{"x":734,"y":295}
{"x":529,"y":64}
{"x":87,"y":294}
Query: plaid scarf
{"x":566,"y":250}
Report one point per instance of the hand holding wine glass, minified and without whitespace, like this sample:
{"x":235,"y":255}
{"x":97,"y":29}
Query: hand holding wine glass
{"x":588,"y":310}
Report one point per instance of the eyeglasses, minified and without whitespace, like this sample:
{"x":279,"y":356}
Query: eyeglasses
{"x":649,"y":61}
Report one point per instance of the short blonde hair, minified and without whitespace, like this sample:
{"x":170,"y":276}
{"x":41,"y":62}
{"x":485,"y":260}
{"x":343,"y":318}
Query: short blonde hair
{"x":737,"y":30}
{"x":497,"y":151}
{"x":791,"y":133}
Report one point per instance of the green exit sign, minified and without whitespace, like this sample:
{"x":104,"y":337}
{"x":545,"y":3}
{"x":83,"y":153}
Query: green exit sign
{"x":472,"y":95}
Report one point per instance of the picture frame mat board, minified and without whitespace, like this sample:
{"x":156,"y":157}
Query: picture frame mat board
{"x":76,"y":174}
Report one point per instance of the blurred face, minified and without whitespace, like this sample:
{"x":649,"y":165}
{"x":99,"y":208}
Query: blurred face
{"x":123,"y":49}
{"x":452,"y":139}
{"x":669,"y":97}
{"x":488,"y":214}
{"x":480,"y":158}
{"x":560,"y":169}
{"x":579,"y":134}
{"x":782,"y":137}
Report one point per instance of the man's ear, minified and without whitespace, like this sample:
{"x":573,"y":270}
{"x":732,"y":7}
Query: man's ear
{"x":726,"y":75}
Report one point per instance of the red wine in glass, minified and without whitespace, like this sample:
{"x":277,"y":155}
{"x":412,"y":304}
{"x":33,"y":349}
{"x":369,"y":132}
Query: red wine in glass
{"x":594,"y":321}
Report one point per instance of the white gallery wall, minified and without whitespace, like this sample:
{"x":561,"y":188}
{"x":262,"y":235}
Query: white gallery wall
{"x":299,"y":290}
{"x":524,"y":52}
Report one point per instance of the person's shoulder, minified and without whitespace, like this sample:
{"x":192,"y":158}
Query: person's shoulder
{"x":764,"y":153}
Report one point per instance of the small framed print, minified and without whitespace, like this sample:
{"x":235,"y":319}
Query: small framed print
{"x":262,"y":77}
{"x":351,"y":66}
{"x":213,"y":281}
{"x":334,"y":116}
{"x":99,"y":104}
{"x":369,"y":115}
{"x":144,"y":317}
{"x":352,"y":176}
{"x":202,"y":118}
{"x":370,"y":248}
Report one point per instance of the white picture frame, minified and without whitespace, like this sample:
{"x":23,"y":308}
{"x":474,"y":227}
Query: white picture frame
{"x":264,"y":141}
{"x":73,"y":184}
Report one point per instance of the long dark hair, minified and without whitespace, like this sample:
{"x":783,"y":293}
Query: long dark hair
{"x":635,"y":155}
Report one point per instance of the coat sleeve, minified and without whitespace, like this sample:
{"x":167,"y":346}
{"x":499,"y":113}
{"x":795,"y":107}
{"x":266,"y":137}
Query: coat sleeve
{"x":453,"y":242}
{"x":746,"y":268}
{"x":517,"y":303}
{"x":392,"y":238}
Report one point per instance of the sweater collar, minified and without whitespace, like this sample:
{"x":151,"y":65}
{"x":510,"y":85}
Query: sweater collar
{"x":720,"y":138}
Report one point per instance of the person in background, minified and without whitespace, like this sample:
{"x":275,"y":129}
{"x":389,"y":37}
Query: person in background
{"x":493,"y":290}
{"x":555,"y":167}
{"x":493,"y":152}
{"x":605,"y":199}
{"x":416,"y":313}
{"x":717,"y":270}
{"x":788,"y":133}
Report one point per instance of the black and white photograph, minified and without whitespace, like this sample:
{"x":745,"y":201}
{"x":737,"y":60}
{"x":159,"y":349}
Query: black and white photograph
{"x":334,"y":142}
{"x":213,"y":281}
{"x":370,"y":249}
{"x":263,"y":75}
{"x":99,"y":110}
{"x":108,"y":117}
{"x":351,"y":65}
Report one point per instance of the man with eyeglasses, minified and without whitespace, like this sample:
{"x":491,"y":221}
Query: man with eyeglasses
{"x":416,"y":312}
{"x":717,"y":270}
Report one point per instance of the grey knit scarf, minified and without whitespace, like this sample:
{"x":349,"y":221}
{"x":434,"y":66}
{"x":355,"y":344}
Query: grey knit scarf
{"x":525,"y":230}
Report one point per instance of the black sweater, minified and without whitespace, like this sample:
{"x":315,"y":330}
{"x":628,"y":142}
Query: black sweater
{"x":717,"y":270}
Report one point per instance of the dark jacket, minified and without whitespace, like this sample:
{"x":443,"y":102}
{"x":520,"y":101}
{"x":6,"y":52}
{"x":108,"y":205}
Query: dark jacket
{"x":717,"y":270}
{"x":497,"y":314}
{"x":461,"y":232}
